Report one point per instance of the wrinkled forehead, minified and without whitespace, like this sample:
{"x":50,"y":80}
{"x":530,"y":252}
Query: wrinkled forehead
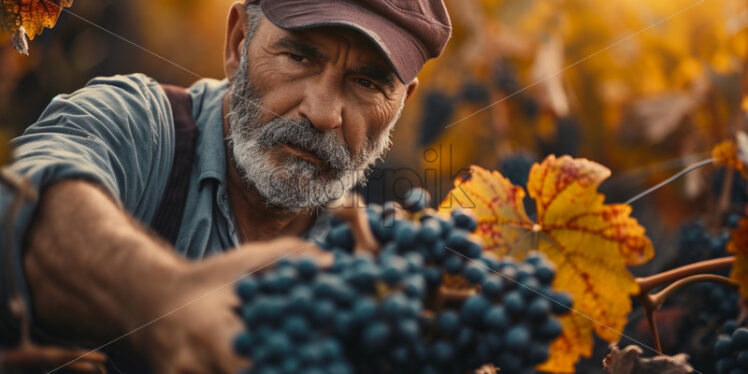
{"x":326,"y":39}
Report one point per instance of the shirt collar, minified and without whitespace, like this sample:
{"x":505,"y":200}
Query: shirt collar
{"x":207,"y":110}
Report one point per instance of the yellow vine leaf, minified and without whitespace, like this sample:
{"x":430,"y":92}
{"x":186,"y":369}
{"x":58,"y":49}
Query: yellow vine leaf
{"x":738,"y":246}
{"x":20,"y":18}
{"x":590,"y":243}
{"x":575,"y":340}
{"x":728,"y":153}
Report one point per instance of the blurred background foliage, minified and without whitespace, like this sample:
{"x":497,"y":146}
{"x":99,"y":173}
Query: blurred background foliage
{"x":643,"y":87}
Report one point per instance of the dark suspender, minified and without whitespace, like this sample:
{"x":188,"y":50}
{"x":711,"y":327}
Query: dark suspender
{"x":170,"y":210}
{"x":168,"y":218}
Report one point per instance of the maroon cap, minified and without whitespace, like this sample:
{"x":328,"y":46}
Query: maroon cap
{"x":408,"y":32}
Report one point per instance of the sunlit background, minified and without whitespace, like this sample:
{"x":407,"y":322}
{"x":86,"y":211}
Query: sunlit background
{"x":643,"y":87}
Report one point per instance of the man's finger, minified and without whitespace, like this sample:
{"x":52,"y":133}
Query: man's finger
{"x":256,"y":257}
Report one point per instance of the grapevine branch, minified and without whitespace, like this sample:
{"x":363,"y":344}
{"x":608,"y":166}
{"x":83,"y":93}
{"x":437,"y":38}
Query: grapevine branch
{"x":676,"y":279}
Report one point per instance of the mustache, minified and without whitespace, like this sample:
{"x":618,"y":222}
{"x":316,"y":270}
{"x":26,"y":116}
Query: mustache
{"x":302,"y":134}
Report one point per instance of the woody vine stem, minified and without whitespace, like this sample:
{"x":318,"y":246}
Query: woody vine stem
{"x":677,"y":278}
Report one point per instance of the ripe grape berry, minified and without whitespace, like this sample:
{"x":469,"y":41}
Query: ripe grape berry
{"x":731,"y":350}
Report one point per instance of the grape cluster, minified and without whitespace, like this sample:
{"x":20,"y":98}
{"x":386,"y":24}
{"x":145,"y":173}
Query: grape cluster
{"x":731,"y":350}
{"x":696,"y":243}
{"x":509,"y":322}
{"x":383,"y":313}
{"x":298,"y":316}
{"x":444,"y":243}
{"x":710,"y":304}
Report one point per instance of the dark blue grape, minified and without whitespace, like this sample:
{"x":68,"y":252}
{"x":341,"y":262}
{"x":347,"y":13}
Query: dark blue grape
{"x":405,"y":233}
{"x":545,"y":275}
{"x":729,"y":327}
{"x":364,"y":311}
{"x":433,"y":276}
{"x":740,"y":338}
{"x":430,"y":231}
{"x":538,"y":353}
{"x":395,"y":305}
{"x":416,"y":199}
{"x":516,"y":168}
{"x":453,"y":264}
{"x":442,"y":352}
{"x":474,"y":273}
{"x":496,"y":319}
{"x":306,"y":268}
{"x":247,"y":289}
{"x":464,"y":220}
{"x":723,"y":346}
{"x":296,"y":327}
{"x":724,"y":365}
{"x":409,"y":330}
{"x":550,"y":329}
{"x":243,"y":343}
{"x":492,"y":287}
{"x":518,"y":338}
{"x":539,"y":309}
{"x":562,"y":302}
{"x":514,"y":303}
{"x":437,"y":109}
{"x":341,"y":236}
{"x":375,"y":336}
{"x":474,"y":308}
{"x":448,"y":322}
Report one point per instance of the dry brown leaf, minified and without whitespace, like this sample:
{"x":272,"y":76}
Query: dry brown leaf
{"x":629,"y":361}
{"x":22,"y":18}
{"x":658,"y":117}
{"x":546,"y":71}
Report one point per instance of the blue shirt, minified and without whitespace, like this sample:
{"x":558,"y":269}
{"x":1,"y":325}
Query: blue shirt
{"x":118,"y":132}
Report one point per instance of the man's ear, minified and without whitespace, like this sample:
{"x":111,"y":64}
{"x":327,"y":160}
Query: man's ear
{"x":411,"y":88}
{"x":235,"y":34}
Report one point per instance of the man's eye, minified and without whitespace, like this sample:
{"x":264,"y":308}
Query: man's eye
{"x":366,"y":83}
{"x":297,"y":58}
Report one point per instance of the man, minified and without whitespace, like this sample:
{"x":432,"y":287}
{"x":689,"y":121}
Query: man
{"x":315,"y":89}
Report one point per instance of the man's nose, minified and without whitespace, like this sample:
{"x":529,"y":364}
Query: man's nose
{"x":323,"y":105}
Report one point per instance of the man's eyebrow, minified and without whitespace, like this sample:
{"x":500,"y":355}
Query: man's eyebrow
{"x":300,"y":47}
{"x":383,"y":76}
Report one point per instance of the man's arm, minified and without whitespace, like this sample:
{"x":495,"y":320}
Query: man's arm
{"x":94,"y":274}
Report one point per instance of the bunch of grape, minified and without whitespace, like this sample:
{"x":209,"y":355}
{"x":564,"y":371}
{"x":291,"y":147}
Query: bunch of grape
{"x":299,"y":316}
{"x":510,"y":322}
{"x":696,"y":243}
{"x":731,"y":350}
{"x":444,"y":243}
{"x":384,"y":313}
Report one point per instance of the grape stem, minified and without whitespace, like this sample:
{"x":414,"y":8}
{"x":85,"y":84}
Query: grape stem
{"x":676,"y":279}
{"x":646,"y":284}
{"x":452,"y":296}
{"x":670,"y":180}
{"x":348,"y":209}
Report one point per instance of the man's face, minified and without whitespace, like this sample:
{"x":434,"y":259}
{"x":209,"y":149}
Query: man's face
{"x":310,"y":112}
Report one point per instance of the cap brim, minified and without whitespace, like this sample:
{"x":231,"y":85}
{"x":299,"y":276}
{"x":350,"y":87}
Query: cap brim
{"x":400,"y":49}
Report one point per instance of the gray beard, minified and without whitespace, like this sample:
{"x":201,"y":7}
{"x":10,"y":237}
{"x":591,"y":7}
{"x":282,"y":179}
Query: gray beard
{"x":296,"y":184}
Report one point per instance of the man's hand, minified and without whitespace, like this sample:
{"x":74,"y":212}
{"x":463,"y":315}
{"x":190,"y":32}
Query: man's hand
{"x":95,"y":276}
{"x":200,"y":323}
